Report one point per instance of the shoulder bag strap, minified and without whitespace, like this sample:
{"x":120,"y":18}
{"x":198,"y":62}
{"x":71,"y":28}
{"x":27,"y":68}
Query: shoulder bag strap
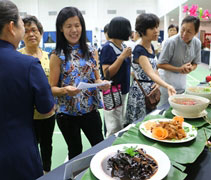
{"x":139,"y":84}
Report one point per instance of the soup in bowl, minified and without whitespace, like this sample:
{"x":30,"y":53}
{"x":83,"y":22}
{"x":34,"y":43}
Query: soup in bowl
{"x":203,"y":91}
{"x":187,"y":105}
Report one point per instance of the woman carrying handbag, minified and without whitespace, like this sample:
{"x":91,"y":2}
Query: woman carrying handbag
{"x":115,"y":61}
{"x":144,"y":66}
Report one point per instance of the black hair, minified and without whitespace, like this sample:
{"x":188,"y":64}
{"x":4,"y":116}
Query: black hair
{"x":146,"y":21}
{"x":173,"y":26}
{"x":61,"y":42}
{"x":8,"y":12}
{"x":106,"y":28}
{"x":32,"y":19}
{"x":194,"y":20}
{"x":119,"y":28}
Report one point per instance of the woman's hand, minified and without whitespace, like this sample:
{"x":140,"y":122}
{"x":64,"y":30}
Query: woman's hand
{"x":106,"y":86}
{"x":126,"y":52}
{"x":71,"y":90}
{"x":171,"y":90}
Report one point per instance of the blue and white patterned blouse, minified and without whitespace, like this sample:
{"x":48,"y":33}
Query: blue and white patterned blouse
{"x":75,"y":69}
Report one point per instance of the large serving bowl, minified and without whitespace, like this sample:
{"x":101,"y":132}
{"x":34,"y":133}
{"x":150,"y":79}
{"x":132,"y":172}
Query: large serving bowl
{"x":203,"y":91}
{"x":187,"y":105}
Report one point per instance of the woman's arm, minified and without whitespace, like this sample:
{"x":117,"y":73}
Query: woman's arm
{"x":51,"y":113}
{"x":147,"y":67}
{"x":55,"y":65}
{"x":98,"y":80}
{"x":114,"y":68}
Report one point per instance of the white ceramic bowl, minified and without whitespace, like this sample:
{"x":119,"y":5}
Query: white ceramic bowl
{"x":203,"y":91}
{"x":200,"y":104}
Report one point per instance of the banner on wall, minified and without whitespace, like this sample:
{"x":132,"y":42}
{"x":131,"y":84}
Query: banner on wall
{"x":49,"y":40}
{"x":49,"y":37}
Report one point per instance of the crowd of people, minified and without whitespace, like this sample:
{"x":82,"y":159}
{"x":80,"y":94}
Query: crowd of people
{"x":39,"y":89}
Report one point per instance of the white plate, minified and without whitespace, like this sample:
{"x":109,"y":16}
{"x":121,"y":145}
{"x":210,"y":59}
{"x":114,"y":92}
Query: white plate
{"x":98,"y":163}
{"x":189,"y":135}
{"x":190,"y":116}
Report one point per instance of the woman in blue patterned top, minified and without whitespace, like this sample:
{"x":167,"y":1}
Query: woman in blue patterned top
{"x":144,"y":65}
{"x":72,"y":62}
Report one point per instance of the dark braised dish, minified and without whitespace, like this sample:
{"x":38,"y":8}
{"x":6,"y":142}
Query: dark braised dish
{"x":132,"y":164}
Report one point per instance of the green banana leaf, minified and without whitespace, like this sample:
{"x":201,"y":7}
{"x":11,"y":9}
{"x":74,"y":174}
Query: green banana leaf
{"x":198,"y":122}
{"x":88,"y":175}
{"x":178,"y":153}
{"x":182,"y":153}
{"x":174,"y":174}
{"x":178,"y":166}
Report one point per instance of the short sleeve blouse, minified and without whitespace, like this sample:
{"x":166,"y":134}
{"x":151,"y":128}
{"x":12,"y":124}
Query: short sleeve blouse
{"x":141,"y":51}
{"x":108,"y":56}
{"x":75,"y":69}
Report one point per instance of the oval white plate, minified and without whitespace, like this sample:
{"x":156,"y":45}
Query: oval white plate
{"x":202,"y":114}
{"x":190,"y":135}
{"x":98,"y":163}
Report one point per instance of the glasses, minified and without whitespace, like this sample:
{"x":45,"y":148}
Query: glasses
{"x":34,"y":31}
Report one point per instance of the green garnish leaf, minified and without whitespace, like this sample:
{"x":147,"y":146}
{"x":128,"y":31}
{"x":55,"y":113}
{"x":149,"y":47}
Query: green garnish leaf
{"x":186,"y":129}
{"x":130,"y":151}
{"x":206,"y":89}
{"x":194,"y":128}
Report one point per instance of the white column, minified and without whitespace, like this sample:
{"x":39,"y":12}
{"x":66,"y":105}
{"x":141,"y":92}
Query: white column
{"x":166,"y":24}
{"x":181,"y":14}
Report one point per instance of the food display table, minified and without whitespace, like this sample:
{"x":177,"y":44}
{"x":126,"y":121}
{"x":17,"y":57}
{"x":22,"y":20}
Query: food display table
{"x":189,"y":160}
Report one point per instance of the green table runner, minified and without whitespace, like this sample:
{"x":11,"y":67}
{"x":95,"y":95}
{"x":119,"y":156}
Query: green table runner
{"x":178,"y":153}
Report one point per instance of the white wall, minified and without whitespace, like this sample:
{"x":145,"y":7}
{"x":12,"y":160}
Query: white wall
{"x":96,"y":16}
{"x":205,"y":25}
{"x":96,"y":10}
{"x":165,"y":6}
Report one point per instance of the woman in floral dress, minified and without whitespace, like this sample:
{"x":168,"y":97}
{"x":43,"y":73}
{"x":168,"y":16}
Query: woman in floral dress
{"x":144,"y":66}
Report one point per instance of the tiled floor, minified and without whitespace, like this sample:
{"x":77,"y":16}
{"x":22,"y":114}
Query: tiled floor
{"x":59,"y":145}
